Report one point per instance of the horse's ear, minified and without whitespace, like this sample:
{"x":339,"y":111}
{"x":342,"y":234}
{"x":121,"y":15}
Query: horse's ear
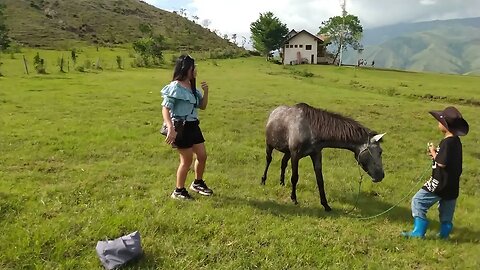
{"x":377,"y":137}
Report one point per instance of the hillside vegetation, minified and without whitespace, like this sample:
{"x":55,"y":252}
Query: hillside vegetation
{"x":57,"y":23}
{"x":451,"y":46}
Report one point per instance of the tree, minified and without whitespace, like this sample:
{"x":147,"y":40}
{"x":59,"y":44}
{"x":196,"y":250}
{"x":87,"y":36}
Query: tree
{"x":268,"y":33}
{"x":244,"y":41}
{"x":195,"y":18}
{"x":150,"y":48}
{"x":345,"y":30}
{"x":206,"y":23}
{"x":4,"y":39}
{"x":234,"y":39}
{"x":146,"y":29}
{"x":182,"y":12}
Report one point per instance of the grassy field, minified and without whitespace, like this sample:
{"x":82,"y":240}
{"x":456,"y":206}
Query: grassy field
{"x":82,"y":160}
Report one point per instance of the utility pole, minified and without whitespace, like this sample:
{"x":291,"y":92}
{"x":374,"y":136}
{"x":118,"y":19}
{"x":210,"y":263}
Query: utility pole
{"x":343,"y":4}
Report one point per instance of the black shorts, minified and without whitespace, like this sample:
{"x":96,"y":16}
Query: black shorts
{"x":191,"y":135}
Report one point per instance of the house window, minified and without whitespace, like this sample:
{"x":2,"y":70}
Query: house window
{"x":291,"y":46}
{"x":308,"y":47}
{"x":296,"y":46}
{"x":301,"y":46}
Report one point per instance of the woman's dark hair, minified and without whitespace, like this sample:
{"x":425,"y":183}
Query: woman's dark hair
{"x":182,"y":66}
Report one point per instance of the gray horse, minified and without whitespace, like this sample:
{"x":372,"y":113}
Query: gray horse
{"x":302,"y":130}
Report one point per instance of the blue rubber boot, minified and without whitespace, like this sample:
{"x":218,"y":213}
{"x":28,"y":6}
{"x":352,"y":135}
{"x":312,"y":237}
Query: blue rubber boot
{"x":445,"y":229}
{"x":419,"y":228}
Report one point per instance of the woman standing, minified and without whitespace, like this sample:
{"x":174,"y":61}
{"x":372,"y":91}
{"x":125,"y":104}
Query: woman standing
{"x":181,"y":100}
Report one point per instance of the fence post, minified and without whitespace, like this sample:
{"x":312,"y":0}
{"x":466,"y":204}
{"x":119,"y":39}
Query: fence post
{"x":25,"y":64}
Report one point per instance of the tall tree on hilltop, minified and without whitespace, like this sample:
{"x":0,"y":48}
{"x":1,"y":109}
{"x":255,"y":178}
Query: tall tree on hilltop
{"x":268,"y":33}
{"x":346,"y":30}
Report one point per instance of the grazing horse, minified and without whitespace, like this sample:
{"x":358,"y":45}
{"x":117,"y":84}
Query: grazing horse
{"x":302,"y":130}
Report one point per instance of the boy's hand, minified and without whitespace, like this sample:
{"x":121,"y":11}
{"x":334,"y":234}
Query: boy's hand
{"x":431,"y":150}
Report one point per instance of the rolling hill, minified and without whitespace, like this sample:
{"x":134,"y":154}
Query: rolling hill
{"x":51,"y":23}
{"x":451,"y":46}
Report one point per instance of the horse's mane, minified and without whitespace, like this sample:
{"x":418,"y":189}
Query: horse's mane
{"x":334,"y":127}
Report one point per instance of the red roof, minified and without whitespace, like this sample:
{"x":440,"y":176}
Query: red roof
{"x":308,"y":33}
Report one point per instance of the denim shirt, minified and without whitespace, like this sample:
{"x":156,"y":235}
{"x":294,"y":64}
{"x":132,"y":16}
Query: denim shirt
{"x":182,"y":102}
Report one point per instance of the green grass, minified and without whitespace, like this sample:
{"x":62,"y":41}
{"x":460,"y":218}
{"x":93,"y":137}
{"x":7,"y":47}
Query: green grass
{"x":82,"y":160}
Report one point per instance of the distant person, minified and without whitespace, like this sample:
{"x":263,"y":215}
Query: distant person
{"x":181,"y":100}
{"x":443,"y":185}
{"x":373,"y":63}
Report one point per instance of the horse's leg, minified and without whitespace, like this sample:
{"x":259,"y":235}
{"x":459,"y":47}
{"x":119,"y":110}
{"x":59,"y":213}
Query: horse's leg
{"x":269,"y":150}
{"x":285,"y":159}
{"x":317,"y":166}
{"x":294,"y":178}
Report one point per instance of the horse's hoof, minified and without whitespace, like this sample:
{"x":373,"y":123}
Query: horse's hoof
{"x":327,"y":208}
{"x":282,"y":184}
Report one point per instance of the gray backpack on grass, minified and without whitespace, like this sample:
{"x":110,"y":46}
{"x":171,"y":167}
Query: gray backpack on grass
{"x":117,"y":252}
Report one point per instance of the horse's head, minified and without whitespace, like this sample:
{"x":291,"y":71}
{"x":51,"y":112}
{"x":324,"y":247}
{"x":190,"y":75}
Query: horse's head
{"x":369,"y":157}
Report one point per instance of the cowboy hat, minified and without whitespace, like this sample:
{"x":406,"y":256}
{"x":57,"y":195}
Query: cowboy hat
{"x":452,"y":120}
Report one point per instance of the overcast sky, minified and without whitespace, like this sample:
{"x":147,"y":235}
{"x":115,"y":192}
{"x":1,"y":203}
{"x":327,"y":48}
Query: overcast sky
{"x":235,"y":16}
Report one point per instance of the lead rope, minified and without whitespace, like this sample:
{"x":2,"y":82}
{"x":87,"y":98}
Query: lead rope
{"x":391,"y":207}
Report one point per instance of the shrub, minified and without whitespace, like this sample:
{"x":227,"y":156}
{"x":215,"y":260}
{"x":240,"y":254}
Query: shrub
{"x":254,"y":53}
{"x":173,"y":60}
{"x":80,"y":68}
{"x":74,"y":56}
{"x":303,"y":73}
{"x":87,"y":64}
{"x":61,"y":64}
{"x":119,"y":62}
{"x":39,"y":64}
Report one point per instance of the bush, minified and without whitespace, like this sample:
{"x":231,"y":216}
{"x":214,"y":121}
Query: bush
{"x":80,"y":68}
{"x":74,"y":56}
{"x":140,"y":62}
{"x":173,"y":60}
{"x":98,"y":65}
{"x":275,"y":61}
{"x":87,"y":64}
{"x":39,"y":64}
{"x":303,"y":73}
{"x":254,"y":53}
{"x":119,"y":62}
{"x":61,"y":64}
{"x":228,"y":53}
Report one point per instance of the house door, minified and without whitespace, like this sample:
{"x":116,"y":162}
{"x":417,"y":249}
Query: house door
{"x":313,"y":57}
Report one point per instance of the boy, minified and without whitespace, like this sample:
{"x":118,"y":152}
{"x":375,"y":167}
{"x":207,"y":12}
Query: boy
{"x":443,"y":185}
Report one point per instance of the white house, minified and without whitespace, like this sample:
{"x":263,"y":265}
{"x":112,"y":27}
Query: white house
{"x":303,"y":48}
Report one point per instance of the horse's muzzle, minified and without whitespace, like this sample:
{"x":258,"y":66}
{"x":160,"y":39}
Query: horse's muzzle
{"x":378,"y":178}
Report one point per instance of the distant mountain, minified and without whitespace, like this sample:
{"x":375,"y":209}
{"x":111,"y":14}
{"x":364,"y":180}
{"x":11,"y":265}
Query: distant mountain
{"x":51,"y":23}
{"x":451,"y":46}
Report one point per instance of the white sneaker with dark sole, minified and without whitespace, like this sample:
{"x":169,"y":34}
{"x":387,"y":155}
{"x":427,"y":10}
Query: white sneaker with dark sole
{"x":201,"y":188}
{"x":181,"y":195}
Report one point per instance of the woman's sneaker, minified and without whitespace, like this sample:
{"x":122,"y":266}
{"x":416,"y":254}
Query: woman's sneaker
{"x":181,"y":194}
{"x":200,"y":187}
